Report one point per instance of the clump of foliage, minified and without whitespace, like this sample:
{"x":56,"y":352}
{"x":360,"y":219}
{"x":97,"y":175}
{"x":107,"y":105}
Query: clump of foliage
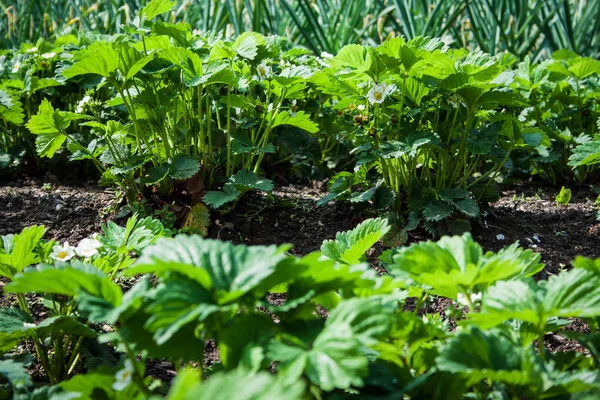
{"x":342,"y":329}
{"x":563,"y":95}
{"x":179,"y":106}
{"x":432,"y":127}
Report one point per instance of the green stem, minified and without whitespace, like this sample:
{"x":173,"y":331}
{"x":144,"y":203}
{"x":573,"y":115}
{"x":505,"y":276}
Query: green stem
{"x":541,"y":347}
{"x":137,"y":378}
{"x":59,"y":360}
{"x":43,"y":357}
{"x":74,"y":356}
{"x":229,"y":156}
{"x":491,"y":171}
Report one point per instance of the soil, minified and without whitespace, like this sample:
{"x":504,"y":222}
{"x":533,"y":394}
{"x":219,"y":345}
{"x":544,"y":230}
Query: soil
{"x":290,"y":215}
{"x":70,"y":213}
{"x":532,"y":217}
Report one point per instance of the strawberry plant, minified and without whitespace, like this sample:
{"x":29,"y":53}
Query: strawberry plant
{"x":341,"y":327}
{"x":563,"y":97}
{"x":180,"y":106}
{"x":426,"y":120}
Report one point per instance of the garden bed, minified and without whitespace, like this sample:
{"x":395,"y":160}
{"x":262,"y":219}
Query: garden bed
{"x":526,"y":214}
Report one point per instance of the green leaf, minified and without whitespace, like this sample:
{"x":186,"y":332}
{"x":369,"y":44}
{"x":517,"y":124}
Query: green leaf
{"x":350,"y":247}
{"x":492,"y":355}
{"x":245,"y":180}
{"x":216,"y":198}
{"x":98,"y":309}
{"x":299,"y":120}
{"x":48,"y":144}
{"x":50,"y":125}
{"x":575,"y":293}
{"x":184,"y":168}
{"x":585,"y":68}
{"x":14,"y":114}
{"x":230,"y":271}
{"x":179,"y":302}
{"x":220,"y":51}
{"x":352,"y":56}
{"x":585,"y":154}
{"x":246,"y":45}
{"x":338,"y":186}
{"x":157,"y":7}
{"x":240,"y":334}
{"x":468,"y":207}
{"x":68,"y":281}
{"x":21,"y":252}
{"x":564,"y":197}
{"x":179,"y":31}
{"x":97,"y":384}
{"x":238,"y":184}
{"x":239,"y":384}
{"x":335,"y":359}
{"x":202,"y":277}
{"x":5,"y":99}
{"x":135,"y":236}
{"x":409,"y":145}
{"x":17,"y":326}
{"x":481,"y":141}
{"x":437,"y":210}
{"x":100,"y":58}
{"x":131,"y":61}
{"x":45,"y":121}
{"x":156,"y":174}
{"x":456,"y":264}
{"x":15,"y":373}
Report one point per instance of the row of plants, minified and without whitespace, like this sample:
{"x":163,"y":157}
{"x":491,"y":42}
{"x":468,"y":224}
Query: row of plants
{"x":433,"y":128}
{"x":415,"y":127}
{"x":342,"y":331}
{"x":525,"y":27}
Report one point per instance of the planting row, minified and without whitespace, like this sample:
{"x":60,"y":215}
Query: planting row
{"x":412,"y":127}
{"x":341,"y":331}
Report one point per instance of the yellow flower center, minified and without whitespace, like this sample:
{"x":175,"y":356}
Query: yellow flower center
{"x":378,"y":96}
{"x":62,"y":254}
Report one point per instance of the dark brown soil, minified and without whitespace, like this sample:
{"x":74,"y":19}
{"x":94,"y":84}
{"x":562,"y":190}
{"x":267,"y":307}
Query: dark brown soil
{"x":69,"y":213}
{"x":291,"y":216}
{"x":526,"y":215}
{"x":532,"y":217}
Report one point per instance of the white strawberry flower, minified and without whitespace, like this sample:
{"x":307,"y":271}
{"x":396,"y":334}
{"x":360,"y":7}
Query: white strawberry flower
{"x":16,"y":68}
{"x":124,"y":377}
{"x":82,"y":103}
{"x":453,"y":100}
{"x":378,"y":93}
{"x":474,"y":297}
{"x":264,"y":71}
{"x":88,"y":247}
{"x":63,"y":253}
{"x":32,"y":50}
{"x":325,"y":55}
{"x":48,"y":56}
{"x":361,"y":107}
{"x":294,"y":108}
